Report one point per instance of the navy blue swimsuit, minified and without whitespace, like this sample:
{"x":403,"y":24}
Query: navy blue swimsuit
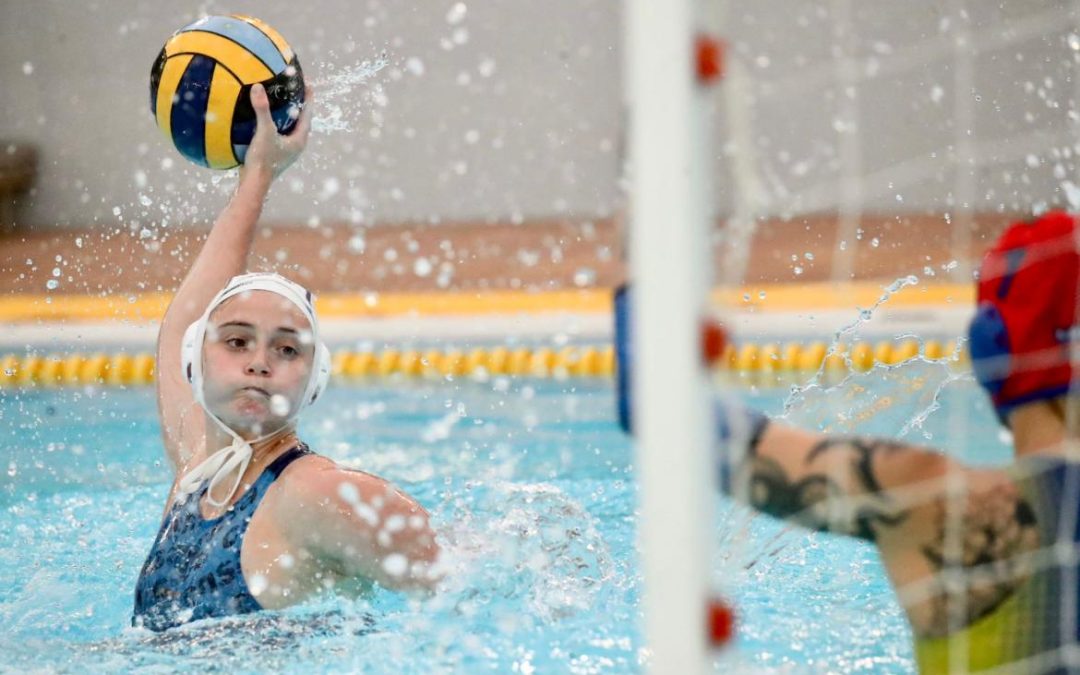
{"x":193,"y":569}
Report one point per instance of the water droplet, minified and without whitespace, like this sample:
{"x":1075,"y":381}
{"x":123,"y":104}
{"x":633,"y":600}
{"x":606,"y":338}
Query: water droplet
{"x":257,"y":585}
{"x":56,"y":271}
{"x":349,"y":493}
{"x":422,"y":267}
{"x":331,"y":186}
{"x":12,"y":469}
{"x":457,"y":13}
{"x":279,"y":405}
{"x":357,"y":244}
{"x":875,"y":242}
{"x":52,"y":284}
{"x":584,"y":276}
{"x":395,"y":564}
{"x":798,"y":270}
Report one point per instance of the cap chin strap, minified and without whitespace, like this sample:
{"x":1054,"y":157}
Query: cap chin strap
{"x":219,"y":465}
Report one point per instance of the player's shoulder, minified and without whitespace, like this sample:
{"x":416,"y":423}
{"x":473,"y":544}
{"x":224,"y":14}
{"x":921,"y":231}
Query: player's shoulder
{"x":317,"y":477}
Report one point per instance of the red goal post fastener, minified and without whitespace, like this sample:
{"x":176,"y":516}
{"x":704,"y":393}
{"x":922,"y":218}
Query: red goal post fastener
{"x":721,"y":622}
{"x":710,"y":58}
{"x":714,"y":341}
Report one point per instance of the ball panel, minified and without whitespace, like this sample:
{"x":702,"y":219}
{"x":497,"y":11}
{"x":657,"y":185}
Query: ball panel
{"x":155,"y":80}
{"x":286,"y":90}
{"x":241,"y":152}
{"x":171,"y":72}
{"x":285,"y":117}
{"x":246,"y":35}
{"x":224,"y":92}
{"x":246,"y":66}
{"x":278,"y":40}
{"x":243,"y":126}
{"x":188,"y":119}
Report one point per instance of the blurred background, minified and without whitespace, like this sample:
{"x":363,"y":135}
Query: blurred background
{"x":480,"y":145}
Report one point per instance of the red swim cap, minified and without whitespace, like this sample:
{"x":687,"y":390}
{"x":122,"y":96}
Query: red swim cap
{"x":1022,"y":330}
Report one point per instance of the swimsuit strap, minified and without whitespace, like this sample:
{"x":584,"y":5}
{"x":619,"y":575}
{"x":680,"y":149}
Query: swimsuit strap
{"x":279,"y":465}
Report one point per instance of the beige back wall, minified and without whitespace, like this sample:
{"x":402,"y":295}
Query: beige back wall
{"x":509,"y":110}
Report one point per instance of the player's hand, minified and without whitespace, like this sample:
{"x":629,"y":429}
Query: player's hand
{"x":270,"y":152}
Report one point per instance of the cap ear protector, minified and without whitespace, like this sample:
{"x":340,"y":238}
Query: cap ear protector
{"x":320,"y":372}
{"x":195,"y":335}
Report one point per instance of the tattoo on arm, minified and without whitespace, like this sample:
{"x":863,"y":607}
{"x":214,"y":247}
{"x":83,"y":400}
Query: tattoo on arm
{"x":984,"y":540}
{"x":977,"y":547}
{"x":842,"y":495}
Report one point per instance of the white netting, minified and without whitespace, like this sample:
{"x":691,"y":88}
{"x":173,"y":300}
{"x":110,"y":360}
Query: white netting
{"x":946,"y":120}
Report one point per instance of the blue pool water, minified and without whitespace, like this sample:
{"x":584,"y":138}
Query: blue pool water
{"x":532,"y":487}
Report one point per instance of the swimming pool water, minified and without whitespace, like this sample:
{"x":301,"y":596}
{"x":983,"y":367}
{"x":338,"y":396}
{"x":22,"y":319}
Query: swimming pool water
{"x":532,"y":487}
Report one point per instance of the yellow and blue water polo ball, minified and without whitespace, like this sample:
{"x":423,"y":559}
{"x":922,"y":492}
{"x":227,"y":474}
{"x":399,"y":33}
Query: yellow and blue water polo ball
{"x":200,"y":87}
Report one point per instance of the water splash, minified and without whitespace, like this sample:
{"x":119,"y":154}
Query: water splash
{"x":336,"y":104}
{"x":818,"y":381}
{"x":544,"y":551}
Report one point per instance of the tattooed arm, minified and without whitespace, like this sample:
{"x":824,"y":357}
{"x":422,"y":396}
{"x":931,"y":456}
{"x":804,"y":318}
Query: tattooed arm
{"x":979,"y":536}
{"x":847,"y":485}
{"x":895,"y":495}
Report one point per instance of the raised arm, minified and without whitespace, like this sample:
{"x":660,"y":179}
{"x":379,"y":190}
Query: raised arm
{"x":223,"y":256}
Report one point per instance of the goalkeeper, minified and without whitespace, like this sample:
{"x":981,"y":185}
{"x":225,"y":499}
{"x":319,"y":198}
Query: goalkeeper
{"x":984,"y":560}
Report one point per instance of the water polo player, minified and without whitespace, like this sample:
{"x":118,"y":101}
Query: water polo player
{"x":254,"y":518}
{"x":984,"y":561}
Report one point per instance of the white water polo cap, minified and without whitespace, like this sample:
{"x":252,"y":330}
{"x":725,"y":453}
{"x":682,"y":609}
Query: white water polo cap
{"x":191,"y":349}
{"x":235,"y":458}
